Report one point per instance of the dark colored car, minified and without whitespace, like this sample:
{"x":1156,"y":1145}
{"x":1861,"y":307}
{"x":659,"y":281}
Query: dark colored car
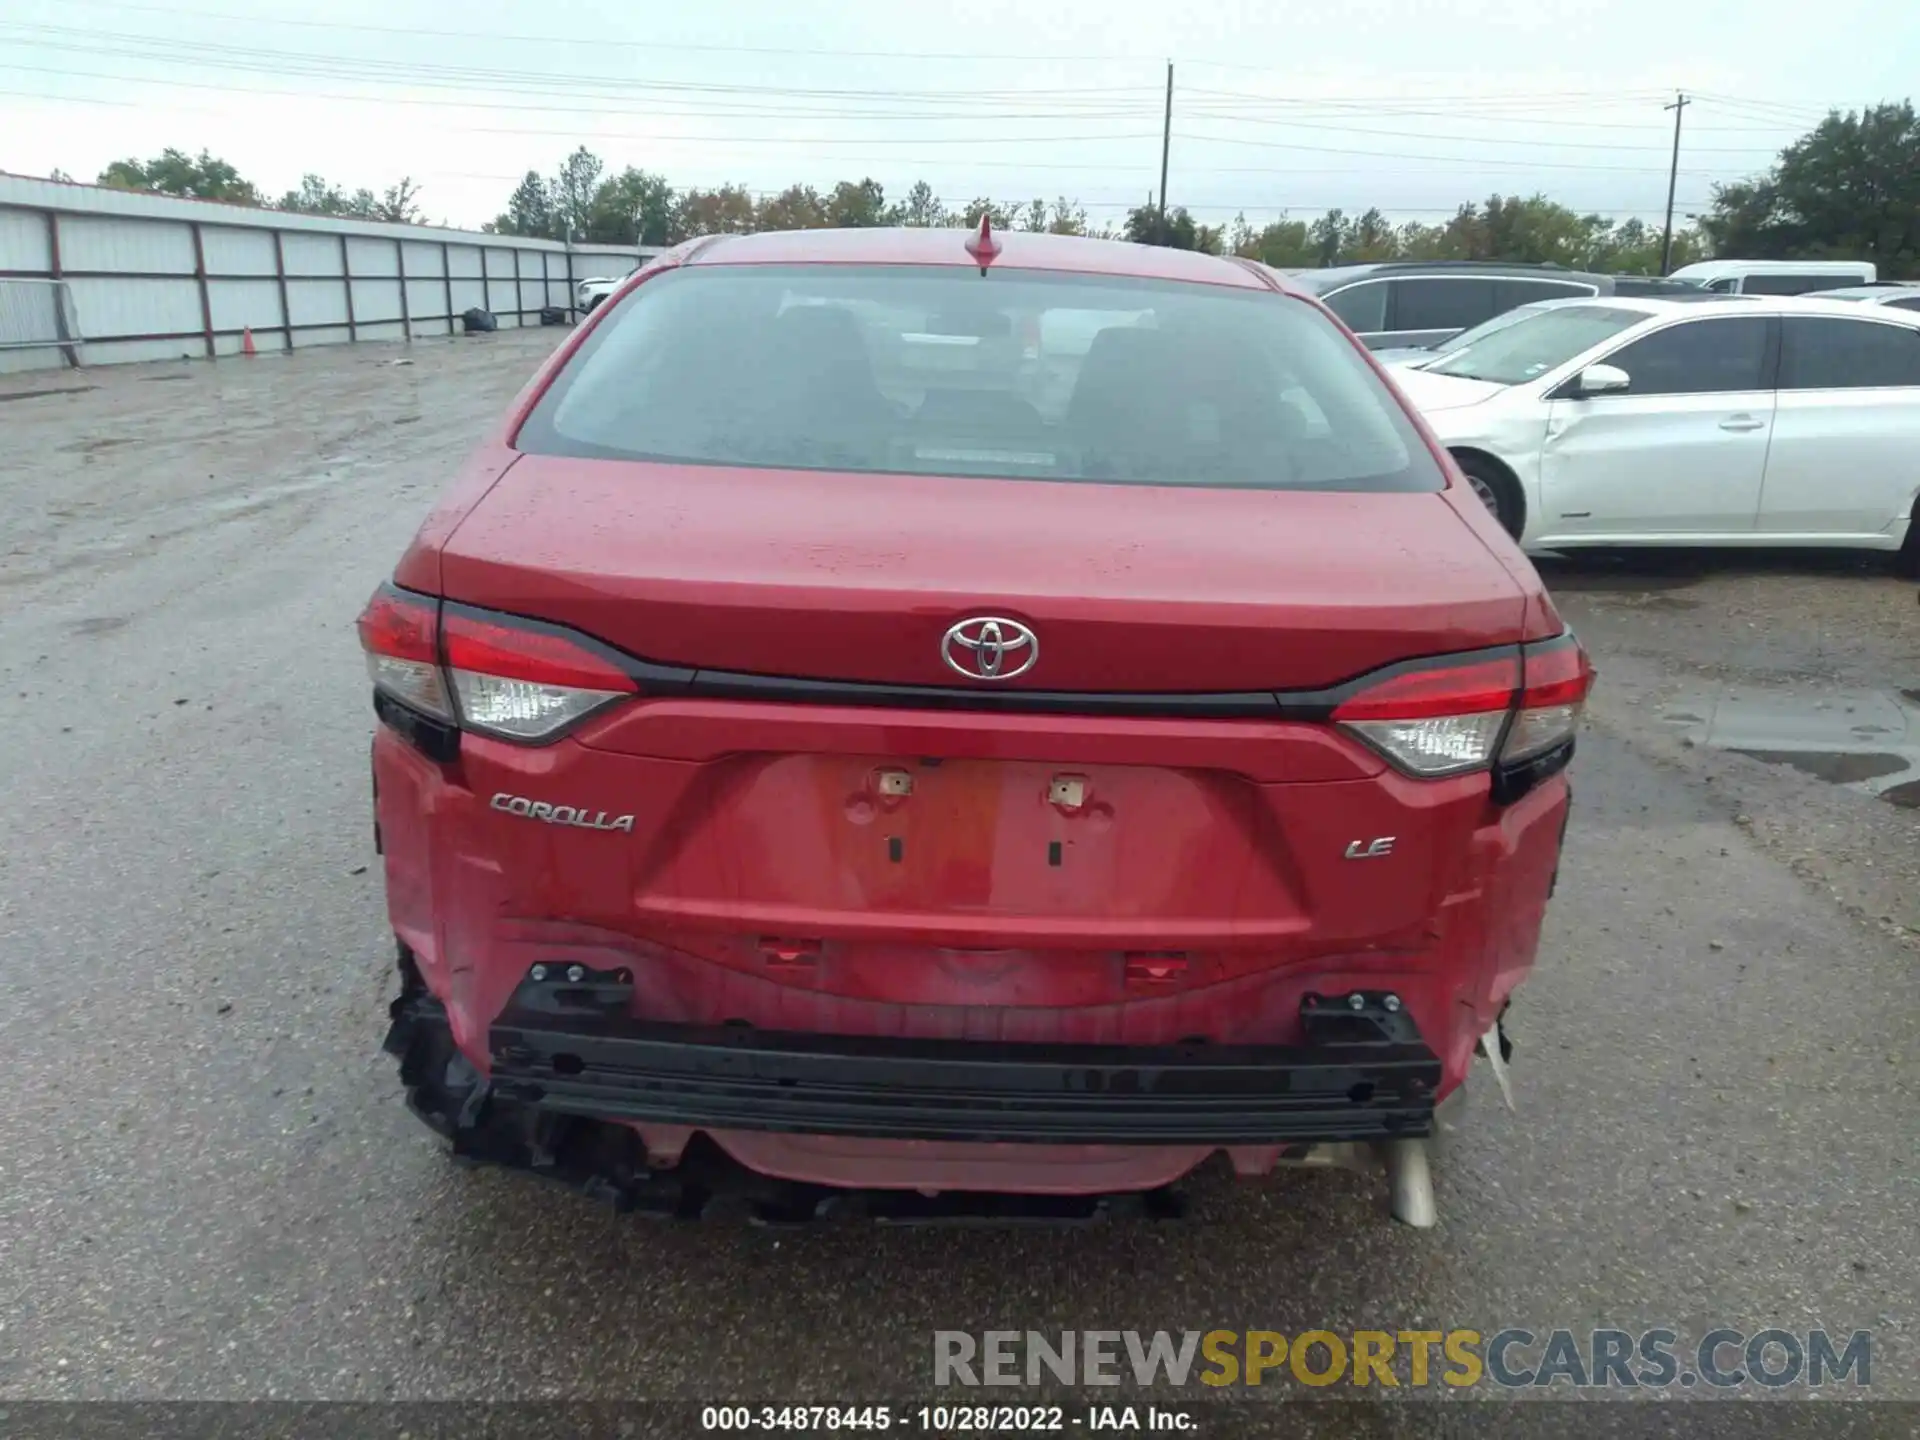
{"x":1406,"y":304}
{"x":822,"y":750}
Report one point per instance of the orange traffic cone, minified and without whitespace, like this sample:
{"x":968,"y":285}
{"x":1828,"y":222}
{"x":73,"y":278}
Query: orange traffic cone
{"x":246,"y":343}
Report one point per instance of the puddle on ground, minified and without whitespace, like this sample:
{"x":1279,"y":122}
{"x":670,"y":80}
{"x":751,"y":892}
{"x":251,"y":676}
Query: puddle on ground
{"x":1866,"y":740}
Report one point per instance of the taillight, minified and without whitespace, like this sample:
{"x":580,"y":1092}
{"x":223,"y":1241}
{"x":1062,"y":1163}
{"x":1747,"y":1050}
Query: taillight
{"x":1464,"y":713}
{"x":397,"y":630}
{"x":497,"y":674}
{"x":523,"y":682}
{"x":1554,"y":689}
{"x":1436,"y":720}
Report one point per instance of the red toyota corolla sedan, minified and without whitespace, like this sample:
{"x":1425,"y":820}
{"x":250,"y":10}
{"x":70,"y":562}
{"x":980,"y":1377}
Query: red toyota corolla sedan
{"x":937,"y":723}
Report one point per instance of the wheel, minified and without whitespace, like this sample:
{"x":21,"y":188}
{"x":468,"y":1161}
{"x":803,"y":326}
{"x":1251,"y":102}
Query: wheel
{"x":1496,"y":489}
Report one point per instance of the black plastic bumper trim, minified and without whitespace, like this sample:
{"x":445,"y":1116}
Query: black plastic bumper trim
{"x":610,"y":1067}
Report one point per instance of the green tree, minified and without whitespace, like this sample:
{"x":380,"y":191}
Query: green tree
{"x":1848,"y":189}
{"x":1373,"y":238}
{"x":399,"y":203}
{"x":174,"y":172}
{"x":634,"y":207}
{"x":572,"y":191}
{"x":920,"y":208}
{"x":1002,"y":215}
{"x":1535,"y":230}
{"x":529,"y":209}
{"x":1066,"y":218}
{"x":852,"y":205}
{"x":726,"y":211}
{"x":1284,"y":244}
{"x":1176,"y":230}
{"x":798,"y":207}
{"x":314,"y":197}
{"x":1418,"y":241}
{"x":1632,"y":247}
{"x":1330,"y":238}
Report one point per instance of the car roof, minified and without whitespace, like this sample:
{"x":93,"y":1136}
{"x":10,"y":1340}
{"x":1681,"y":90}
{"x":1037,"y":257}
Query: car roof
{"x":1019,"y":250}
{"x":1817,"y":305}
{"x":1325,"y":278}
{"x":1884,"y":290}
{"x":1717,"y":268}
{"x":1652,"y":305}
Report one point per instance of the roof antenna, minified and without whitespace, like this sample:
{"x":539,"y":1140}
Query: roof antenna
{"x":981,"y":245}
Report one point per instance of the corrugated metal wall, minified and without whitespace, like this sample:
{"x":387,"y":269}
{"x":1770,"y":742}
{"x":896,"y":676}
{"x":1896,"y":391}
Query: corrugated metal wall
{"x":155,"y":278}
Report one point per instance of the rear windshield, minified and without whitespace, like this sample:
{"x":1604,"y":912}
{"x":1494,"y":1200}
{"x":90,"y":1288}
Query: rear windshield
{"x":1545,"y":340}
{"x":1015,"y":374}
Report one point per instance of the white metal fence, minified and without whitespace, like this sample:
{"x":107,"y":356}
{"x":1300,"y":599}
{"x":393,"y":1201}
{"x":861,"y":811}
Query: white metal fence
{"x":150,"y":277}
{"x":39,"y":315}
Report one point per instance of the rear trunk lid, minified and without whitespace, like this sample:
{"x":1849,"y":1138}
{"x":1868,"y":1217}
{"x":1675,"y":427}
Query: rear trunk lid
{"x":857,"y":577}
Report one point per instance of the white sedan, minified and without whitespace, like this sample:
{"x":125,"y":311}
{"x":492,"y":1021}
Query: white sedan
{"x":1750,"y":420}
{"x":588,"y":294}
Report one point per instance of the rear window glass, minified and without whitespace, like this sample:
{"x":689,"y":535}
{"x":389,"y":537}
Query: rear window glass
{"x":1015,"y":374}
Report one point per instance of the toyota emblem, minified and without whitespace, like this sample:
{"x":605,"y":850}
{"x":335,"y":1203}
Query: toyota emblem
{"x":990,"y":647}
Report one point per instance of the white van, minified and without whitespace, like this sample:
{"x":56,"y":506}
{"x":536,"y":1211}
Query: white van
{"x":1777,"y":277}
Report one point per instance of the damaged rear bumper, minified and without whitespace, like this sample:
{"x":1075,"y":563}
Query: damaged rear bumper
{"x":573,"y":1083}
{"x":569,"y":1047}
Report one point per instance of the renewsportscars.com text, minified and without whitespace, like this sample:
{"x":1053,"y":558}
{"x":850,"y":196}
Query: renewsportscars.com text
{"x":1513,"y":1358}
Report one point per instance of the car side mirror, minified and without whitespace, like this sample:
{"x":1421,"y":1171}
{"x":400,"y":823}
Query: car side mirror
{"x":1602,"y":380}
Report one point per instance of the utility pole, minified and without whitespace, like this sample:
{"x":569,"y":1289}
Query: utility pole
{"x":1678,"y":107}
{"x":1166,"y":144}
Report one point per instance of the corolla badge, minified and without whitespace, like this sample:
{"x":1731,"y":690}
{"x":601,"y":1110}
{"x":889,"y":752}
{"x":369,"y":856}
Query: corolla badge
{"x":576,"y":815}
{"x":990,"y":647}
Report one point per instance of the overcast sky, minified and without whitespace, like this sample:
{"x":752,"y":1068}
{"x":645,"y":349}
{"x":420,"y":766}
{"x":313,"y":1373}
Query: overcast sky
{"x":1409,"y":105}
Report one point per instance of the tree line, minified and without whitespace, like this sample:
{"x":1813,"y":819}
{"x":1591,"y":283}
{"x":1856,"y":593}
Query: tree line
{"x":1848,"y":189}
{"x":583,"y":202}
{"x":205,"y":177}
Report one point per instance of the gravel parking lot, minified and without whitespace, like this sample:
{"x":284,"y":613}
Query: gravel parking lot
{"x":209,"y":1187}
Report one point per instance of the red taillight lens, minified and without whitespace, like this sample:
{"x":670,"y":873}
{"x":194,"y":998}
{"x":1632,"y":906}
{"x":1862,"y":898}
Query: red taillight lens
{"x":1446,"y":689}
{"x":1436,"y":720}
{"x":525,"y":682}
{"x":1448,"y":716}
{"x":1554,"y":692}
{"x":397,"y":633}
{"x":517,"y":679}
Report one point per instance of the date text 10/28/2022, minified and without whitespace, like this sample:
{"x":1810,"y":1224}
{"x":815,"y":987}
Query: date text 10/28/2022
{"x":948,"y":1419}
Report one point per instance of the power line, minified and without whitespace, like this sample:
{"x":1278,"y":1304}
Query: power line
{"x":1767,"y":109}
{"x":413,"y":73}
{"x":1788,"y":113}
{"x":1601,"y":99}
{"x":718,"y":109}
{"x":1469,"y":139}
{"x":1530,"y":118}
{"x":600,"y":43}
{"x":1437,"y":159}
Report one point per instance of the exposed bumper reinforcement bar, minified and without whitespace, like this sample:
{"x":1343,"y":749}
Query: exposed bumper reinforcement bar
{"x":566,"y":1061}
{"x":569,"y":1047}
{"x":964,"y":1091}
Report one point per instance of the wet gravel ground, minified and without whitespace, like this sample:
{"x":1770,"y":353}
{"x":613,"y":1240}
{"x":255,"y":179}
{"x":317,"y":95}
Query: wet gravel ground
{"x":209,"y":1188}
